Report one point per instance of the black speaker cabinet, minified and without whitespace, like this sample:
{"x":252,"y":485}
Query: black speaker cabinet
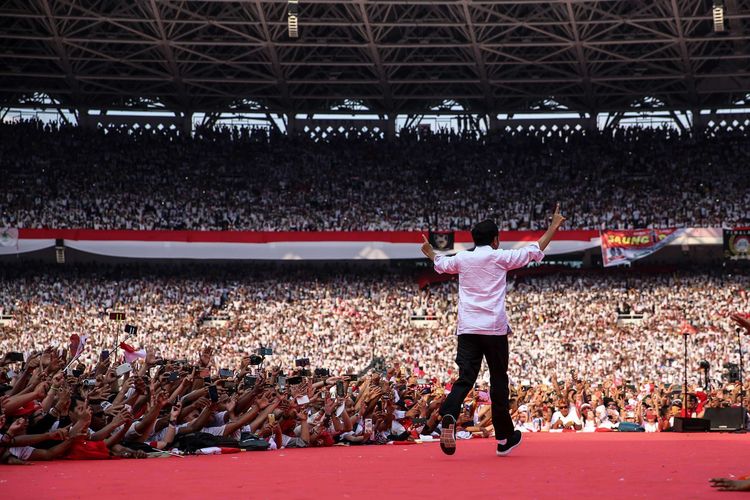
{"x":724,"y":419}
{"x":691,"y":425}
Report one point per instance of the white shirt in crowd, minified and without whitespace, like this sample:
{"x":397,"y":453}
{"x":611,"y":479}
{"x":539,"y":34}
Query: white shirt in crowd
{"x":572,"y":416}
{"x":524,"y":427}
{"x":589,"y":426}
{"x":482,"y":285}
{"x":651,"y":426}
{"x":20,"y":452}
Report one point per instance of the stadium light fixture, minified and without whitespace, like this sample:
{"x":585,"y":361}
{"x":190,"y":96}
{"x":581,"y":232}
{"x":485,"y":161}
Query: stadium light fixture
{"x":292,"y":20}
{"x":718,"y":12}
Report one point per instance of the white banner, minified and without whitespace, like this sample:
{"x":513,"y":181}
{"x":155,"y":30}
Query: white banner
{"x":24,"y":246}
{"x":302,"y":250}
{"x":271,"y":245}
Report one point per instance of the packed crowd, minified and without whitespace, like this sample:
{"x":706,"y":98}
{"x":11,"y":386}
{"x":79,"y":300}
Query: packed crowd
{"x":158,"y":406}
{"x":203,"y":389}
{"x":342,"y":317}
{"x":64,"y":176}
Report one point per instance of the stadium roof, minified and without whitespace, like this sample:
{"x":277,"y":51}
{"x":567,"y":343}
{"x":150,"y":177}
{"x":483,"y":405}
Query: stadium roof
{"x":386,"y":56}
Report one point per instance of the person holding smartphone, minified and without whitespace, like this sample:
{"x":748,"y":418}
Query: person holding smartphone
{"x":483,"y":324}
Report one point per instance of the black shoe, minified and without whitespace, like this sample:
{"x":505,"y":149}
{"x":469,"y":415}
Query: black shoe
{"x":448,"y":435}
{"x":510,"y":443}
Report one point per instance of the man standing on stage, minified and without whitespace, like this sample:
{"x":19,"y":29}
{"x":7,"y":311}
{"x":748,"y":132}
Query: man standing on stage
{"x":483,"y":324}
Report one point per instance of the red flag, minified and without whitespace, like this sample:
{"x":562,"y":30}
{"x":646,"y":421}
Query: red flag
{"x":75,"y":341}
{"x":687,"y":328}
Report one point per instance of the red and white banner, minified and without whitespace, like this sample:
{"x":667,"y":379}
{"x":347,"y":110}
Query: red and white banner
{"x":623,"y":247}
{"x":290,"y":245}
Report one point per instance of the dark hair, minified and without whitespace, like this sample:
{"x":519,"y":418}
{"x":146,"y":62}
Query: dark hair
{"x":74,"y":400}
{"x":484,"y":232}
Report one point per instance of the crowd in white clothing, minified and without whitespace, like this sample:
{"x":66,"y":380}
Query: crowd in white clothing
{"x":342,"y":320}
{"x":68,"y":177}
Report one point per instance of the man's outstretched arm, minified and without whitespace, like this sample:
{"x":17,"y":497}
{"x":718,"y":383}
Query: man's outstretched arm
{"x":557,"y":221}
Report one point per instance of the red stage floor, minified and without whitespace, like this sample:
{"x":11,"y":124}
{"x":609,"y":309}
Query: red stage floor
{"x":545,"y":466}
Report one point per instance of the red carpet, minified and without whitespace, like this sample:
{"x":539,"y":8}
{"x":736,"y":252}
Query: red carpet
{"x":545,"y":466}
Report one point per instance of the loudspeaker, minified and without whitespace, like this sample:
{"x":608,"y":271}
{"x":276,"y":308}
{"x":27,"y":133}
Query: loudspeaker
{"x":691,"y":425}
{"x":724,"y":419}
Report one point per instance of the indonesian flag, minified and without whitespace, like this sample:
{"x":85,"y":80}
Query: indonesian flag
{"x":687,"y":328}
{"x":216,"y":450}
{"x":131,"y":354}
{"x":77,"y":344}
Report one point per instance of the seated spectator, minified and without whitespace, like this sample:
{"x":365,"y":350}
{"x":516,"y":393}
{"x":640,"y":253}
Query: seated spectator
{"x":565,"y":418}
{"x":590,"y":420}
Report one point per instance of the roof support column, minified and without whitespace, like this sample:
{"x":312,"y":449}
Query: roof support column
{"x":84,"y":118}
{"x":493,"y":123}
{"x":699,"y":121}
{"x":292,"y":125}
{"x":390,"y":127}
{"x":186,"y":127}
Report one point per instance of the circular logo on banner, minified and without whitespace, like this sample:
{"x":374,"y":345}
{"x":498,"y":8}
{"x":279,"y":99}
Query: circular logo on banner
{"x":739,"y":245}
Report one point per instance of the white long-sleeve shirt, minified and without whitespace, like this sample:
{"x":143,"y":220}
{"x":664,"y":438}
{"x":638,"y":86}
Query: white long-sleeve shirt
{"x":482,"y":286}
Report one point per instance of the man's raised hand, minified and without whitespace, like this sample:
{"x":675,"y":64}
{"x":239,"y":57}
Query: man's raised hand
{"x":427,"y":248}
{"x":557,"y":221}
{"x":557,"y":218}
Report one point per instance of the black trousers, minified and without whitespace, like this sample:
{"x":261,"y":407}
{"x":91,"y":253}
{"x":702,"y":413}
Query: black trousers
{"x":471,"y":349}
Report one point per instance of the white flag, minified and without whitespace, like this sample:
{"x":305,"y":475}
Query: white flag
{"x":81,"y":345}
